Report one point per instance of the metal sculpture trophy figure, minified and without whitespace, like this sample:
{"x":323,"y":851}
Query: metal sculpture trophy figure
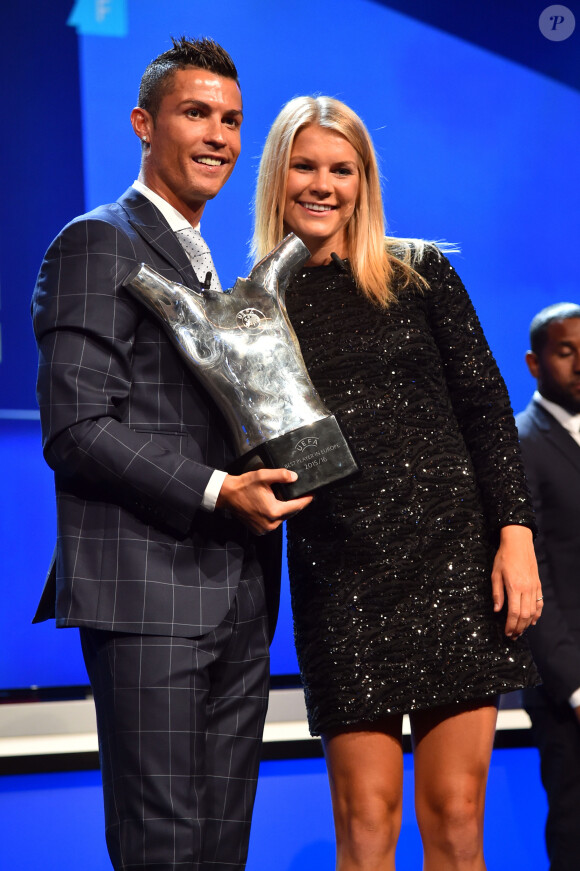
{"x":243,"y":348}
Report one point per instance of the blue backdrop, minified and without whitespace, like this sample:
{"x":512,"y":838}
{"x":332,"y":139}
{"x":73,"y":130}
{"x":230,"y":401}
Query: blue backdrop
{"x":475,"y":118}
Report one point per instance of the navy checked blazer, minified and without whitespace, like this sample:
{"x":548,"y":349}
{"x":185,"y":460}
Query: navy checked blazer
{"x":133,"y":439}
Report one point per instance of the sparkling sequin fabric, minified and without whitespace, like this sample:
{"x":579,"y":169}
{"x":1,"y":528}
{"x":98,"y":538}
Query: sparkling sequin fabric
{"x":390,"y":572}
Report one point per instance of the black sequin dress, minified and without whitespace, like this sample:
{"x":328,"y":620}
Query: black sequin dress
{"x":390,"y":571}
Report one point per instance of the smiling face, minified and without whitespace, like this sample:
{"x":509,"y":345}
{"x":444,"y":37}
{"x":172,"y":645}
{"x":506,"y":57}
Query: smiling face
{"x":322,"y":191}
{"x":194,"y":141}
{"x":557,"y":365}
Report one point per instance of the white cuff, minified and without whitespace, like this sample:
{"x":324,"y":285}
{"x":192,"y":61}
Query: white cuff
{"x":575,"y":698}
{"x":212,"y":491}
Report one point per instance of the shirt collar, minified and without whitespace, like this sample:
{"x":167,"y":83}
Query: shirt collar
{"x":174,"y":218}
{"x":569,"y":421}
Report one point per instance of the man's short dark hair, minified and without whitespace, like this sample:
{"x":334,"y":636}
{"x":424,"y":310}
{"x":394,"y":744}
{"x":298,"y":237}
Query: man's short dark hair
{"x":561,"y":311}
{"x":203,"y":54}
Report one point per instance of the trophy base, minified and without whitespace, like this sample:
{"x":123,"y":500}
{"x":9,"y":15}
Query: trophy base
{"x":318,"y":452}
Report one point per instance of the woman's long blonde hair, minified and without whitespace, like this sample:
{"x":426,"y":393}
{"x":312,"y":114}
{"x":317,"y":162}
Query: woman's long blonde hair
{"x":374,"y":259}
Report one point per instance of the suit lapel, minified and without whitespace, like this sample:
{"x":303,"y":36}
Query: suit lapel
{"x":556,"y":434}
{"x":153,"y":228}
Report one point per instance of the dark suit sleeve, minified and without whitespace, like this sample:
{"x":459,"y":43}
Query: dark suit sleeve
{"x":85,"y":324}
{"x":480,"y":400}
{"x":555,"y":649}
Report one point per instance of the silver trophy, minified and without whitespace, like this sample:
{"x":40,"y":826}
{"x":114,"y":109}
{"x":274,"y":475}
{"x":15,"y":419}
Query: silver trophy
{"x":242,"y":347}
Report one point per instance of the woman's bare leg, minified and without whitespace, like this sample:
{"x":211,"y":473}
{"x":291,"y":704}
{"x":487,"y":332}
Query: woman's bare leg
{"x":365,"y":769}
{"x":452,"y":753}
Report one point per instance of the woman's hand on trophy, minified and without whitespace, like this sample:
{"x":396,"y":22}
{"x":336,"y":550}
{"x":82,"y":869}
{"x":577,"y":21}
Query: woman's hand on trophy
{"x":252,"y":499}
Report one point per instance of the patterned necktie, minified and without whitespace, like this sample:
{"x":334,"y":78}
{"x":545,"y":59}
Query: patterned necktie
{"x":198,"y":252}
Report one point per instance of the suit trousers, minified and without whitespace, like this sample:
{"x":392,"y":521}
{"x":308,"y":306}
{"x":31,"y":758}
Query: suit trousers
{"x":556,"y":733}
{"x":180,"y":723}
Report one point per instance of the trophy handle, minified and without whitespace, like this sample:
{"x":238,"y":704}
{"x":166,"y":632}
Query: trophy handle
{"x":274,"y":270}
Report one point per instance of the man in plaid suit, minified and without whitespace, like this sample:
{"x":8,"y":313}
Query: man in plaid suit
{"x":160,"y":558}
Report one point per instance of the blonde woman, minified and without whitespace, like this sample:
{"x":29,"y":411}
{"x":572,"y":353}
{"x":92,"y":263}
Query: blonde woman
{"x":412,"y":583}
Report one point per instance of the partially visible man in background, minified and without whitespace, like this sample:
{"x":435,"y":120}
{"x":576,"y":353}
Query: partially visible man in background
{"x":550,"y":438}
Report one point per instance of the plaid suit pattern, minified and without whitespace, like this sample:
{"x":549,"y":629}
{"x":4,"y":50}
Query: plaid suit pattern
{"x":133,"y":440}
{"x":132,"y":437}
{"x":188,"y":715}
